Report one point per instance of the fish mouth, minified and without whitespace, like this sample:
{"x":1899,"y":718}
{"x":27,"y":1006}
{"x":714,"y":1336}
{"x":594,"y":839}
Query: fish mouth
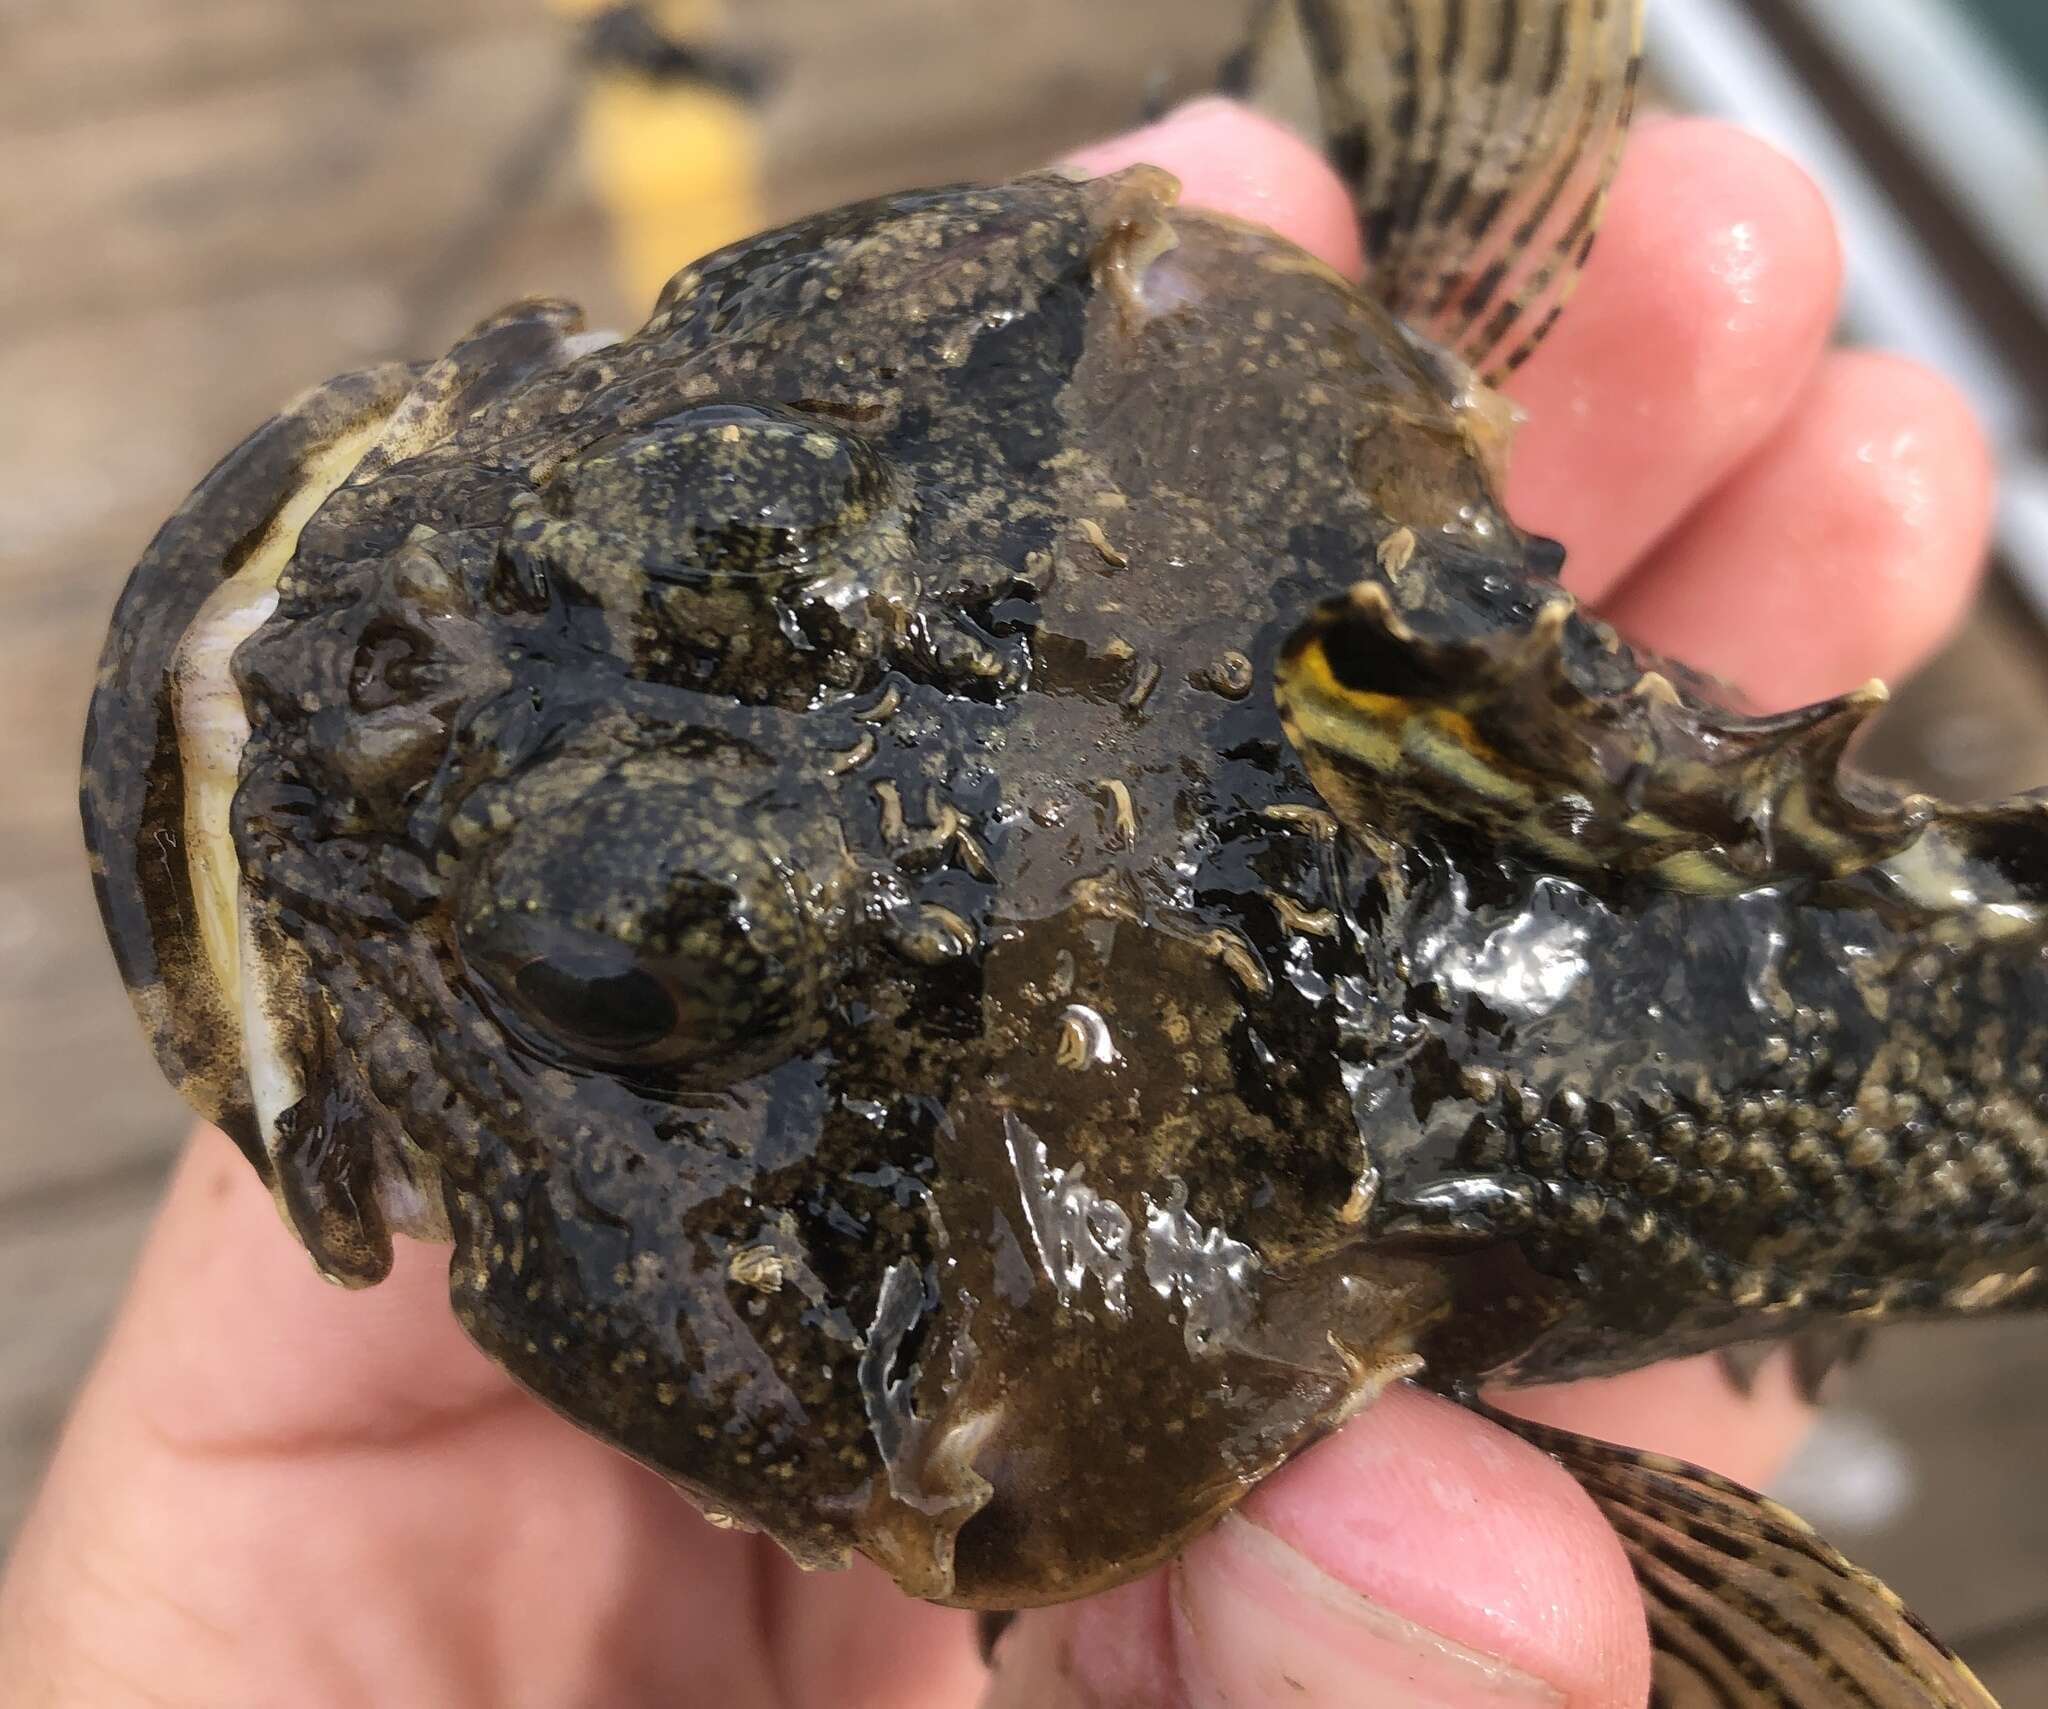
{"x":213,"y":734}
{"x":211,"y":974}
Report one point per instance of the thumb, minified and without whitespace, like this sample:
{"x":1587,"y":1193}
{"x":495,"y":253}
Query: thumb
{"x":1422,"y":1557}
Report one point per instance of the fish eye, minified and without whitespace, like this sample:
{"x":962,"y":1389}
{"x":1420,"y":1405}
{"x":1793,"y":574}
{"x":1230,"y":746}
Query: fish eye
{"x":597,"y":1000}
{"x":586,"y":995}
{"x":726,"y":488}
{"x":698,"y":978}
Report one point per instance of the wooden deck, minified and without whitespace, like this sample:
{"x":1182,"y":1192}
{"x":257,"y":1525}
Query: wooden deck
{"x":209,"y":206}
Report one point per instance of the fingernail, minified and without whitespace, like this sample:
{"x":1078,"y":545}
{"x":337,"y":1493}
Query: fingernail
{"x":1258,"y":1623}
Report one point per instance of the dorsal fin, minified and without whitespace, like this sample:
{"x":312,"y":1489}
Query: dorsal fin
{"x":1479,"y":138}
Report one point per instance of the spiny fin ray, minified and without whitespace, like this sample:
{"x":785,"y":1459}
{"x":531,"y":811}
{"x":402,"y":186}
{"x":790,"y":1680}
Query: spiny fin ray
{"x":1516,"y":718}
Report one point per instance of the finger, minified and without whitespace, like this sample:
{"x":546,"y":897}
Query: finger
{"x":1703,"y":312}
{"x":1421,"y":1556}
{"x":1231,"y":160}
{"x":230,"y":1339}
{"x":266,"y":1478}
{"x":852,"y":1640}
{"x":1847,"y":547}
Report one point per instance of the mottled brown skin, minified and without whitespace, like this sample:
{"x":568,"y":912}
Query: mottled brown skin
{"x":788,"y":816}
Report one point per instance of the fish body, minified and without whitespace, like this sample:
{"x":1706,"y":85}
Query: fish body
{"x":982,"y":884}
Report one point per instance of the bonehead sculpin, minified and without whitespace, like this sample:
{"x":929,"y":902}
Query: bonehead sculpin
{"x":983,"y":885}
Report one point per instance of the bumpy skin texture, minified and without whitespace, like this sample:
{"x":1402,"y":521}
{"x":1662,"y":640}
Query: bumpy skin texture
{"x":778,"y":834}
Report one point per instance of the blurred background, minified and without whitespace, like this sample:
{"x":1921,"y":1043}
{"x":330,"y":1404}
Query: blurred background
{"x":211,"y":204}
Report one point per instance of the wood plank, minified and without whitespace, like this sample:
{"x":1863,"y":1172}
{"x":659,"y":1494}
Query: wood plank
{"x":972,"y":91}
{"x":73,"y":60}
{"x":133,"y":406}
{"x":85,"y":1101}
{"x":287,"y":178}
{"x":59,"y":1280}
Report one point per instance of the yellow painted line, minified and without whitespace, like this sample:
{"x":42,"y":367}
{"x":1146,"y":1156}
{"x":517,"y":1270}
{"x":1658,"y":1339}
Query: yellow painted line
{"x":679,"y":170}
{"x":678,"y":165}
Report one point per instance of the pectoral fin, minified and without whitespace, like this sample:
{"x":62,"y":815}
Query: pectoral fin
{"x":1748,"y":1608}
{"x":1478,"y":138}
{"x":1522,"y":719}
{"x":1494,"y":707}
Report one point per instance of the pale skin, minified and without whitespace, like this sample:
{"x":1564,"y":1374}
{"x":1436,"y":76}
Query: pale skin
{"x":274,"y":1491}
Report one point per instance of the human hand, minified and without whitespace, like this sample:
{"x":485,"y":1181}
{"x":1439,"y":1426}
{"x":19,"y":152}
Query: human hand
{"x":271,"y":1491}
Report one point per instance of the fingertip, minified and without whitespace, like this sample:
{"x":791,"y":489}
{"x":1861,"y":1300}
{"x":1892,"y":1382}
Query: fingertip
{"x":1706,"y":306}
{"x":1724,"y":169}
{"x":1847,"y":548}
{"x":1421,"y":1556}
{"x":1234,"y":161}
{"x":1458,"y":1527}
{"x":1733,"y":249}
{"x":1929,"y":476}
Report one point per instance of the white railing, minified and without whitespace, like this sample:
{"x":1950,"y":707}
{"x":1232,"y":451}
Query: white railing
{"x":1975,"y":130}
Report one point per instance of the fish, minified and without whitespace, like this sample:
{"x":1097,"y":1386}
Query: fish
{"x":982,"y":885}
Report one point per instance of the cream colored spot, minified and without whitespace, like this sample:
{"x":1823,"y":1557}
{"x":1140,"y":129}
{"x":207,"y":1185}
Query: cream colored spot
{"x":1123,"y":814}
{"x":761,"y":1268}
{"x":884,"y":708}
{"x":1991,"y":1291}
{"x":1309,"y":922}
{"x":1317,"y":821}
{"x":1365,"y":1192}
{"x":890,"y":800}
{"x":1142,"y":685}
{"x":1242,"y":960}
{"x":1655,"y":688}
{"x":1091,"y":531}
{"x":854,"y":757}
{"x":1085,"y":1040}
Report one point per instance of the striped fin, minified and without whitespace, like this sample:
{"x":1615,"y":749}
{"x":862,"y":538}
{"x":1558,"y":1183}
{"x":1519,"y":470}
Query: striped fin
{"x":1479,"y":138}
{"x":1748,"y":1608}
